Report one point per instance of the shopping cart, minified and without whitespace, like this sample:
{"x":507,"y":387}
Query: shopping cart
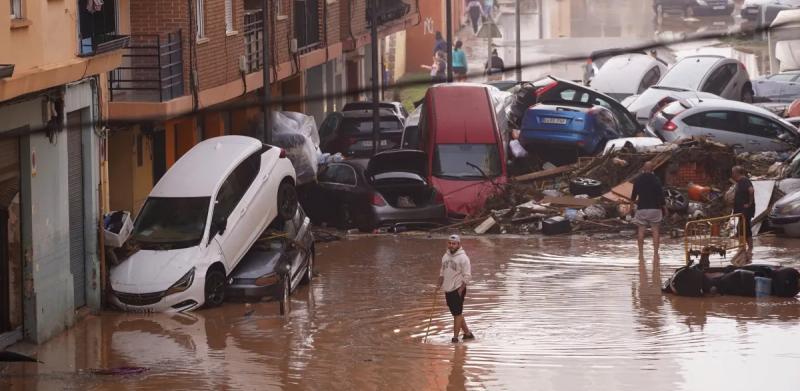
{"x":718,"y":235}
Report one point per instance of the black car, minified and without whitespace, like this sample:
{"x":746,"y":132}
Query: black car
{"x":396,"y":107}
{"x":691,"y":8}
{"x":388,"y":191}
{"x":281,"y":259}
{"x":350,"y":132}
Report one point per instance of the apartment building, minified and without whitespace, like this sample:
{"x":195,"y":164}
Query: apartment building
{"x":193,"y":70}
{"x":55,"y":56}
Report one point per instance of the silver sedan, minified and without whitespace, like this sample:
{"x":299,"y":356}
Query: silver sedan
{"x":745,"y":127}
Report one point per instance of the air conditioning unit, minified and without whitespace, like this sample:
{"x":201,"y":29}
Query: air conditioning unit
{"x":293,"y":45}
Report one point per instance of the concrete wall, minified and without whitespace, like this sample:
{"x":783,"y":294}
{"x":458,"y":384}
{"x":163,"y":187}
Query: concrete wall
{"x":48,"y":282}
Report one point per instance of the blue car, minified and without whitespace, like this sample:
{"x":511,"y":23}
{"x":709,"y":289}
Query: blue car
{"x":568,"y":130}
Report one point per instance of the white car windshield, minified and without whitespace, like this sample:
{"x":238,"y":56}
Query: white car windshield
{"x":170,"y":223}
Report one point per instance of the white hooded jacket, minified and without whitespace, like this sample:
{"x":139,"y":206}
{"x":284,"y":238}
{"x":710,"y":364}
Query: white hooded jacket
{"x":455,"y":270}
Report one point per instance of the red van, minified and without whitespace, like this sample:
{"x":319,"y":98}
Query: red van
{"x":466,"y":158}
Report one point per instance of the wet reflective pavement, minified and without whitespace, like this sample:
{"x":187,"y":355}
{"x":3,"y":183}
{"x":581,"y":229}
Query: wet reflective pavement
{"x":571,"y":313}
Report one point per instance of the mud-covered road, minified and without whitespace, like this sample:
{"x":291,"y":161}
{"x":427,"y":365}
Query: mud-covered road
{"x":570,"y":313}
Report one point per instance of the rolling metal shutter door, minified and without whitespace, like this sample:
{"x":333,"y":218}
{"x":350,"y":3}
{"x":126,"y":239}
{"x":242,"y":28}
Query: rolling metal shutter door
{"x":77,"y":253}
{"x":9,"y":170}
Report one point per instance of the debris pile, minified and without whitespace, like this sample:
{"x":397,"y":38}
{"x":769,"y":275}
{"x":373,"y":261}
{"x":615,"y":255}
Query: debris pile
{"x":593,"y":194}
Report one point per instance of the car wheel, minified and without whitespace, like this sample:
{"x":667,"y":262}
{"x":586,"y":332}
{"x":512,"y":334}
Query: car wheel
{"x":591,"y":187}
{"x":287,"y":201}
{"x":310,"y":269}
{"x":215,"y":288}
{"x":747,"y":94}
{"x":675,"y":200}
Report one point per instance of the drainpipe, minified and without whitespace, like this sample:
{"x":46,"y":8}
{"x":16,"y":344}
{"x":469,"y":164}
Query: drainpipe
{"x":266,"y":134}
{"x":376,"y":120}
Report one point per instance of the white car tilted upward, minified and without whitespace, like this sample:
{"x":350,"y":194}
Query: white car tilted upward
{"x":198,"y":222}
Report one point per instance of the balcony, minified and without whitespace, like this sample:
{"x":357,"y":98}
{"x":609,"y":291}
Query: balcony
{"x":253,"y":40}
{"x":98,"y":29}
{"x":387,"y":10}
{"x":307,"y":25}
{"x":151,"y":71}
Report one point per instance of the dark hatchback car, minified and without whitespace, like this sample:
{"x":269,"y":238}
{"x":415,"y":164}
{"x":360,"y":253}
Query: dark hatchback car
{"x":350,"y":132}
{"x":691,"y":8}
{"x":388,"y":191}
{"x":278,"y":262}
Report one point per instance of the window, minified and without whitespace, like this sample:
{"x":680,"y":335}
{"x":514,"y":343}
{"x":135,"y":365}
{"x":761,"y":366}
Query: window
{"x":451,"y":161}
{"x":235,"y":186}
{"x":279,"y":8}
{"x":762,"y":127}
{"x":573,"y":96}
{"x":718,"y":80}
{"x":650,"y":78}
{"x":721,"y":120}
{"x":171,"y":223}
{"x":623,"y":123}
{"x":228,"y":16}
{"x":16,"y":9}
{"x":200,"y":18}
{"x":341,"y":174}
{"x":786,"y":77}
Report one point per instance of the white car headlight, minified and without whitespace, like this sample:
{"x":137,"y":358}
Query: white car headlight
{"x":183,"y":284}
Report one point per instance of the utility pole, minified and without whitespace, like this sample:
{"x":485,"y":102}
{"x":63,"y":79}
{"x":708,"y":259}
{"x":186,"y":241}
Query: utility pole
{"x":266,"y":135}
{"x":449,"y":17}
{"x":519,"y":44}
{"x":376,"y":119}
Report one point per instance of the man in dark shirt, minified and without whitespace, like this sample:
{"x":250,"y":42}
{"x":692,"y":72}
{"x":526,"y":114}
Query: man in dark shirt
{"x":744,"y":202}
{"x":648,"y":194}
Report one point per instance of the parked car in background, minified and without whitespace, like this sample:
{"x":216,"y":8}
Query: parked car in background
{"x":628,"y":74}
{"x":561,"y":133}
{"x":350,"y":132}
{"x":724,"y":77}
{"x":410,"y":139}
{"x":199,"y":221}
{"x":558,"y":91}
{"x":785,"y":215}
{"x":389,"y":190}
{"x":691,"y":8}
{"x":278,"y":262}
{"x":395,"y":107}
{"x":780,"y":87}
{"x":465,"y":150}
{"x":744,"y":126}
{"x":503,"y":85}
{"x":763,"y":12}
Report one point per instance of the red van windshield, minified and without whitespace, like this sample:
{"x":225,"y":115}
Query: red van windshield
{"x":458,"y":161}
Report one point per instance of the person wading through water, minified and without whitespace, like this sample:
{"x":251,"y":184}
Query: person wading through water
{"x":744,"y":202}
{"x":453,"y":278}
{"x":650,"y":207}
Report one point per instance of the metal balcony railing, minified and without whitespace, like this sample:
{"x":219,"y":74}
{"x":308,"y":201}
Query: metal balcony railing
{"x":151,"y":71}
{"x":387,"y":10}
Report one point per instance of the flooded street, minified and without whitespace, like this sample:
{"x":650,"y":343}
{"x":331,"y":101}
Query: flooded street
{"x":571,"y":313}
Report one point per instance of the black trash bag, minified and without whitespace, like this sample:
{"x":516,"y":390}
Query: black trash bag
{"x":739,"y":282}
{"x":785,"y":282}
{"x":688,"y":281}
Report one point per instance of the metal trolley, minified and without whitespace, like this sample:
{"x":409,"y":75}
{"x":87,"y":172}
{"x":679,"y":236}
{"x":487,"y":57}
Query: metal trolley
{"x":717,"y":235}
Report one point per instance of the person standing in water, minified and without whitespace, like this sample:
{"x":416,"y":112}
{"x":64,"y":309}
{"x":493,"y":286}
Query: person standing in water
{"x":454,"y":276}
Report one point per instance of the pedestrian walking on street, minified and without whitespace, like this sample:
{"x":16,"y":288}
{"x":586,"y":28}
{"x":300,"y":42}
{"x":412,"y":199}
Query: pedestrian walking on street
{"x":475,"y":12}
{"x":488,"y":8}
{"x":454,"y":276}
{"x":494,"y":67}
{"x":650,"y":208}
{"x":440,"y":45}
{"x":744,"y":202}
{"x":459,"y":62}
{"x":438,"y":69}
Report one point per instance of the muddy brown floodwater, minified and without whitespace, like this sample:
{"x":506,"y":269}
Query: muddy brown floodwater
{"x":549,"y":314}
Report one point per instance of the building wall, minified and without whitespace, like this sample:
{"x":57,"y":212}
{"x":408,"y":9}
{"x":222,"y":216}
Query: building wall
{"x":218,"y":54}
{"x":44,"y":40}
